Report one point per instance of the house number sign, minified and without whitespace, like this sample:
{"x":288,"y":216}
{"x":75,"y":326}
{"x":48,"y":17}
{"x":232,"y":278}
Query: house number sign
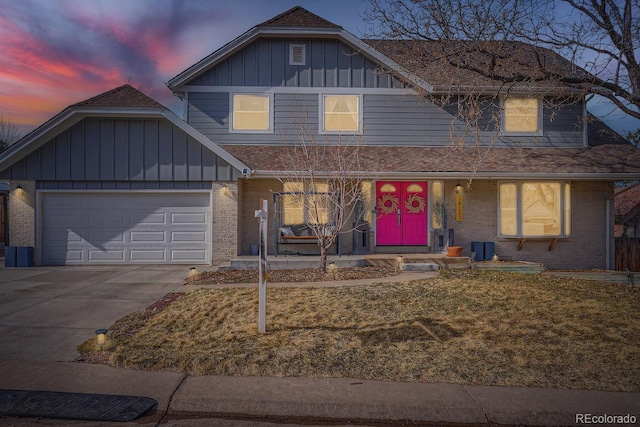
{"x":459,"y":208}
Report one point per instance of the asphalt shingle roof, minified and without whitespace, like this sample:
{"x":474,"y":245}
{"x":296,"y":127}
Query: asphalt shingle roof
{"x":298,"y":17}
{"x":124,"y":96}
{"x":602,"y":159}
{"x":450,"y":64}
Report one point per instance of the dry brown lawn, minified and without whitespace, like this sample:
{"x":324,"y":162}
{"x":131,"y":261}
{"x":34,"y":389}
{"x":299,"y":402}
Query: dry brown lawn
{"x":464,"y":326}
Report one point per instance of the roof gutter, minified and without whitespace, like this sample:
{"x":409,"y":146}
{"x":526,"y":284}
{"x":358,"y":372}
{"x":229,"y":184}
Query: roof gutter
{"x":542,"y":176}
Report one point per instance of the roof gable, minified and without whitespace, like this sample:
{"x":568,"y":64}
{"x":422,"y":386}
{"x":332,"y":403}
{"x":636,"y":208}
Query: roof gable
{"x":294,"y":23}
{"x":121,"y":102}
{"x":450,"y":64}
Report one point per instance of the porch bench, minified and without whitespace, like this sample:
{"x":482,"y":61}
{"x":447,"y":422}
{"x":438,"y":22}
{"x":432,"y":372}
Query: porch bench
{"x":299,"y":233}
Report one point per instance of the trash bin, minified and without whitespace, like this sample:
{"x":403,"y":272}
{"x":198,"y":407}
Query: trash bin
{"x":489,"y":250}
{"x":10,"y":256}
{"x":254,"y":249}
{"x":478,"y":248}
{"x":24,"y":256}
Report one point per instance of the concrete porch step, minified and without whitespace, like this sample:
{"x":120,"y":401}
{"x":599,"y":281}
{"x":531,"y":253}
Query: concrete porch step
{"x":419,"y":266}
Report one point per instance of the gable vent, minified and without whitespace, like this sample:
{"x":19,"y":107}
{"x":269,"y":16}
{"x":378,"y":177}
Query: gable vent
{"x":297,"y":54}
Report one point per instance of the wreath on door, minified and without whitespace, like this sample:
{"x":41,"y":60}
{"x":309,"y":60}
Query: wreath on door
{"x":414,"y":204}
{"x":388,"y":204}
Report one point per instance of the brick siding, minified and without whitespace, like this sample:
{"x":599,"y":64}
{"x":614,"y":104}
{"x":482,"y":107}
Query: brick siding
{"x":22,"y":219}
{"x":585,"y":248}
{"x":224,"y":212}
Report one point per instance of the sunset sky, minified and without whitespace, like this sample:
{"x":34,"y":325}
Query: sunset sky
{"x":54,"y":53}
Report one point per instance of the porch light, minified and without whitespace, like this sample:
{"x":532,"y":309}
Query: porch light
{"x":101,"y":337}
{"x":458,"y":188}
{"x":226,"y":192}
{"x":19,"y":190}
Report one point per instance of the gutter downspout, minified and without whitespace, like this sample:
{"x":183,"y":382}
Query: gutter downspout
{"x":585,"y":125}
{"x":608,"y":232}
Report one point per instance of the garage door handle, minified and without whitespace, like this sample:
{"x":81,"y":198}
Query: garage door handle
{"x":398,"y":216}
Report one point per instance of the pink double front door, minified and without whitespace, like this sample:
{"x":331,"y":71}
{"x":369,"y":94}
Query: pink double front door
{"x":401,"y":213}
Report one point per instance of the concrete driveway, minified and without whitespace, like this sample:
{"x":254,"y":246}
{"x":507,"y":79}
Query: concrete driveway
{"x":46,"y":312}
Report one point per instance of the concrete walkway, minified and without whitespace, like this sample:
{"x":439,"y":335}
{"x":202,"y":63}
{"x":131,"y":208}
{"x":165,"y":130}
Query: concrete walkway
{"x":46,"y":312}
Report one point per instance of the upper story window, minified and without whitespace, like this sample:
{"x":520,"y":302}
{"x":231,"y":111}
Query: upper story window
{"x":341,"y":113}
{"x":251,"y":113}
{"x":297,"y":54}
{"x":534,"y":209}
{"x":522,"y":116}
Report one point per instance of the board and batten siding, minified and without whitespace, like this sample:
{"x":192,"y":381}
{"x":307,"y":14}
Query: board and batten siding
{"x":265,"y":62}
{"x":121,"y":151}
{"x":388,"y":119}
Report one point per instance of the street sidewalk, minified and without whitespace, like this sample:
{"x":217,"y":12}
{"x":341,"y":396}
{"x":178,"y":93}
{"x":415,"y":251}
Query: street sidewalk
{"x":218,"y":400}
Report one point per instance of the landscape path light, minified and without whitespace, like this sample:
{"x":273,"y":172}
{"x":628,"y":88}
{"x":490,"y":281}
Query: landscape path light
{"x":399,"y":262}
{"x":101,"y":337}
{"x":332,"y":268}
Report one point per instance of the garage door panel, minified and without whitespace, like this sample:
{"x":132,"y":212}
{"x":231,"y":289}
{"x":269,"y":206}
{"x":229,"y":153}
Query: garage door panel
{"x":148,"y":255}
{"x":102,"y":218}
{"x":142,"y":218}
{"x":148,"y":200}
{"x":148,"y":237}
{"x":91,"y":228}
{"x":109,"y":255}
{"x":62,"y":256}
{"x":189,"y":218}
{"x":190,"y":200}
{"x":185,"y":255}
{"x":188,"y":237}
{"x":63,"y":235}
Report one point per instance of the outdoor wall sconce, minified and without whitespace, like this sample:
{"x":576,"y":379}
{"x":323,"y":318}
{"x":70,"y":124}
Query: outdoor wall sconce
{"x":19,"y":190}
{"x":458,"y":188}
{"x":225,"y":191}
{"x":101,"y":337}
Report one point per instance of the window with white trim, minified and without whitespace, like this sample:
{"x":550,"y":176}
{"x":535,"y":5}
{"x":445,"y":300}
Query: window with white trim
{"x":341,"y":113}
{"x":522,"y":116}
{"x":251,"y":113}
{"x":534,"y":209}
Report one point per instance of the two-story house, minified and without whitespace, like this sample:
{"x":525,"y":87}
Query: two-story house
{"x":119,"y":178}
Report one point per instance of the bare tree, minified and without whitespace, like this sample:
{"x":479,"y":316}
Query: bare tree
{"x":9,"y":134}
{"x":588,"y":47}
{"x":323,"y":188}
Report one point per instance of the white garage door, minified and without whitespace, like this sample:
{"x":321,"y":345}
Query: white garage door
{"x":137,"y":228}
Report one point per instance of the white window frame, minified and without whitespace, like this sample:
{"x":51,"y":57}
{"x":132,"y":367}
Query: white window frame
{"x":338,"y":132}
{"x":538,"y":132}
{"x":232,"y":96}
{"x":292,"y":48}
{"x":564,"y":224}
